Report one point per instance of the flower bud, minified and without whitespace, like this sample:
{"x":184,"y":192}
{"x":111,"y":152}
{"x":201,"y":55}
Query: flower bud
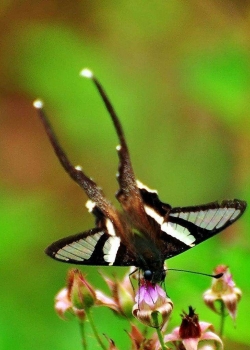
{"x":122,"y":299}
{"x":77,"y":297}
{"x":81,"y":293}
{"x":223,"y":289}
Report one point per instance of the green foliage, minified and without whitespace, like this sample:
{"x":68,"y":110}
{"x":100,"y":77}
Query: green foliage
{"x":219,"y":80}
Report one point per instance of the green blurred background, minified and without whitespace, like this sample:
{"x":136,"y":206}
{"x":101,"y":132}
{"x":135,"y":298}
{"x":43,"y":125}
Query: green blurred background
{"x":178,"y":74}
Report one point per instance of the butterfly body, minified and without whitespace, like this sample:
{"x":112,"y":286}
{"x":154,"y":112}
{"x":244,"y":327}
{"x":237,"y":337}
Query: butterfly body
{"x":146,"y":231}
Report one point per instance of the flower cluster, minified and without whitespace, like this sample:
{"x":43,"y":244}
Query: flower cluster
{"x":151,"y":307}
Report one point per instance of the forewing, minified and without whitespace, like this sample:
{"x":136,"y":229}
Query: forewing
{"x":193,"y":225}
{"x":154,"y":208}
{"x":93,"y":247}
{"x":184,"y":227}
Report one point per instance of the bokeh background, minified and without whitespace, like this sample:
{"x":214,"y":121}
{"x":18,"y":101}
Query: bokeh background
{"x":178,"y":74}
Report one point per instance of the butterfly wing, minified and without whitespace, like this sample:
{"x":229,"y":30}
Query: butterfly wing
{"x":184,"y":227}
{"x":101,"y":245}
{"x":93,"y":247}
{"x":193,"y":225}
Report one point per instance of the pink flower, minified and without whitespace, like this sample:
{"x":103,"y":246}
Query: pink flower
{"x":224,"y":290}
{"x":78,"y":296}
{"x":191,"y":332}
{"x":63,"y":302}
{"x":152,"y":307}
{"x":122,"y":296}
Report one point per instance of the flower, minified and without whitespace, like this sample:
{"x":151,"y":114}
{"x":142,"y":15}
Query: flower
{"x":78,"y":296}
{"x":82,"y":294}
{"x":152,"y":307}
{"x":122,"y":299}
{"x":191,"y":332}
{"x":63,"y":303}
{"x":223,"y":289}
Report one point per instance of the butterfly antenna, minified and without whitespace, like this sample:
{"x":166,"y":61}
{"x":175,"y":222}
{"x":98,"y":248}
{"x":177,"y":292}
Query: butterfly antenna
{"x":198,"y":273}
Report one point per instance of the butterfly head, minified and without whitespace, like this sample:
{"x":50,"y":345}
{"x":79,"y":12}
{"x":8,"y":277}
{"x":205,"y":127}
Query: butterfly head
{"x":154,"y":276}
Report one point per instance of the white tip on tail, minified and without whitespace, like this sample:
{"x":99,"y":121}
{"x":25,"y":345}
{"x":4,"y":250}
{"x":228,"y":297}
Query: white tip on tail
{"x":78,"y":167}
{"x":38,"y":104}
{"x":86,"y":73}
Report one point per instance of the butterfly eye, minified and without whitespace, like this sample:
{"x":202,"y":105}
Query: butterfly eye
{"x":148,"y":274}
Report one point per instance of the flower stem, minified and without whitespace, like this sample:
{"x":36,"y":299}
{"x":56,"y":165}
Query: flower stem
{"x":223,"y":317}
{"x":163,"y":346}
{"x":158,"y":331}
{"x":82,"y":331}
{"x":98,"y":338}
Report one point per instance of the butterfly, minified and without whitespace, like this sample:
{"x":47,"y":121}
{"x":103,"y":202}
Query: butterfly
{"x":146,"y":231}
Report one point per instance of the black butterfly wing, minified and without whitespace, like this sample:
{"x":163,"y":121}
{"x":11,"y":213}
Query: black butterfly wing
{"x":101,"y":245}
{"x":184,"y":227}
{"x":93,"y":247}
{"x":195,"y":224}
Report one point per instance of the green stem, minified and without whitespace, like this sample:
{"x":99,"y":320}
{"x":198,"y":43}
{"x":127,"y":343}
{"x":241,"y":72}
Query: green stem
{"x":98,"y":338}
{"x":155,"y":316}
{"x":223,"y":317}
{"x":160,"y":337}
{"x":82,"y":331}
